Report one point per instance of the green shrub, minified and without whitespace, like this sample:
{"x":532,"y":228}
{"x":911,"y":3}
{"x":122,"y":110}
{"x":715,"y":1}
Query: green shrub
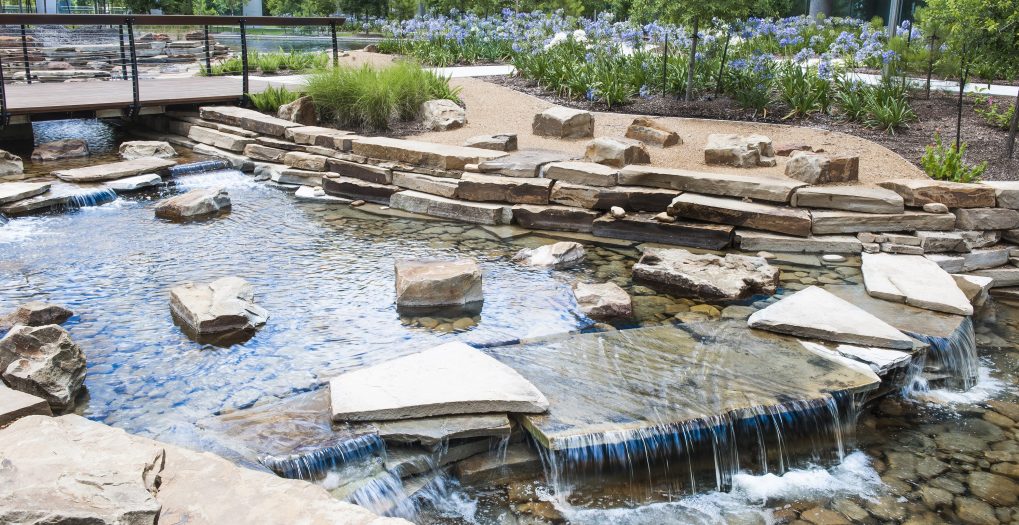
{"x":887,"y":106}
{"x":369,"y":98}
{"x":851,"y":100}
{"x":992,"y":113}
{"x":796,"y":89}
{"x":947,"y":163}
{"x":270,"y":100}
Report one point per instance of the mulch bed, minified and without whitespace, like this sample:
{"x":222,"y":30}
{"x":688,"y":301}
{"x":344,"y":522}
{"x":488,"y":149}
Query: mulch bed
{"x":937,"y":114}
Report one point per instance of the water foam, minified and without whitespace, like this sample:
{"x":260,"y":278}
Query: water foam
{"x":22,"y":229}
{"x":227,"y":178}
{"x":986,"y":387}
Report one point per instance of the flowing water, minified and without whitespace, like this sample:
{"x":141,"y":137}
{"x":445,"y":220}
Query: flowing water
{"x":325,"y":275}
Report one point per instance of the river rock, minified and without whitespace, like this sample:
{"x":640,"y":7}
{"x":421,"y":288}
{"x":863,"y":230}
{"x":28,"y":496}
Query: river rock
{"x":811,"y":168}
{"x":917,"y":192}
{"x":993,"y":488}
{"x":10,"y":164}
{"x":603,"y":301}
{"x":134,"y":149}
{"x":706,"y":276}
{"x":560,"y":255}
{"x":617,"y":152}
{"x":498,"y":142}
{"x":422,"y":283}
{"x":301,"y":111}
{"x":44,"y":362}
{"x":442,"y":115}
{"x":975,"y":512}
{"x":651,"y":131}
{"x":566,"y":123}
{"x":449,"y":379}
{"x":739,"y":151}
{"x":913,"y":280}
{"x":195,"y":203}
{"x":224,"y":306}
{"x":61,"y":149}
{"x":36,"y":313}
{"x":809,"y":313}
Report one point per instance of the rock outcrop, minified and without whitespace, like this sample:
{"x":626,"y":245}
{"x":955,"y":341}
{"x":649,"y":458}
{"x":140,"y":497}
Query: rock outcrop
{"x":559,"y":255}
{"x":44,"y":362}
{"x":194,"y":204}
{"x":704,"y":275}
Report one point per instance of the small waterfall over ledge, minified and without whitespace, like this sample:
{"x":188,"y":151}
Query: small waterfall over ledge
{"x":202,"y":166}
{"x":952,"y":359}
{"x":91,"y":198}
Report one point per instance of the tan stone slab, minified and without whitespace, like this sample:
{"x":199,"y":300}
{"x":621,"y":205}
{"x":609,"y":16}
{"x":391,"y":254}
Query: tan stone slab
{"x":441,"y":186}
{"x":1006,"y":193}
{"x":914,"y":280}
{"x":114,"y":170}
{"x":917,"y":192}
{"x":421,"y":153}
{"x":829,"y":222}
{"x":15,"y":405}
{"x":584,"y":173}
{"x":219,"y":139}
{"x":760,"y":188}
{"x":755,"y":241}
{"x":493,"y":188}
{"x":643,"y":227}
{"x":472,"y":212}
{"x":248,"y":119}
{"x":850,"y":198}
{"x":781,"y":219}
{"x":16,"y":191}
{"x":60,"y":193}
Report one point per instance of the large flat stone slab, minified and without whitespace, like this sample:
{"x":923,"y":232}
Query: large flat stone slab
{"x":224,"y":305}
{"x":705,"y":275}
{"x":817,"y":314}
{"x":917,"y":192}
{"x":16,"y":191}
{"x":630,"y":198}
{"x":649,"y":384}
{"x":1006,"y":193}
{"x":428,"y":283}
{"x":248,"y":119}
{"x":419,"y":153}
{"x":707,"y":208}
{"x":525,"y":163}
{"x":758,"y":188}
{"x":829,"y":222}
{"x":436,"y":430}
{"x":755,"y":241}
{"x":493,"y":188}
{"x":15,"y":405}
{"x":914,"y":280}
{"x":114,"y":170}
{"x":316,"y":136}
{"x":1002,"y":277}
{"x":219,"y":139}
{"x":441,"y":186}
{"x":435,"y":206}
{"x":359,"y":189}
{"x":449,"y":379}
{"x":644,"y":227}
{"x":850,"y":198}
{"x":914,"y":321}
{"x":584,"y":173}
{"x":365,"y":172}
{"x":60,"y":194}
{"x":557,"y":218}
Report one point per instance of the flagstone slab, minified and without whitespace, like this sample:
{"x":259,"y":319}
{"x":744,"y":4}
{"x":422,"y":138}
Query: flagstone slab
{"x":917,"y":192}
{"x":707,"y":208}
{"x":433,"y":431}
{"x":584,"y":173}
{"x":644,"y":227}
{"x":16,"y":191}
{"x":850,"y":198}
{"x":15,"y":404}
{"x":881,"y":360}
{"x":914,"y":280}
{"x":758,"y":188}
{"x":59,"y":194}
{"x":114,"y":170}
{"x":908,"y":319}
{"x":436,"y":206}
{"x":426,"y":154}
{"x":816,"y":314}
{"x":755,"y":241}
{"x":248,"y":119}
{"x":833,"y":222}
{"x":446,"y":380}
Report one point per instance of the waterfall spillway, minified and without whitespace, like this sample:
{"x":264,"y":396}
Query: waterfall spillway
{"x":954,"y":356}
{"x":91,"y":198}
{"x":203,"y":166}
{"x":315,"y":462}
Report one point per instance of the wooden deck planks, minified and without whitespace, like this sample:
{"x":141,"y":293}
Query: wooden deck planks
{"x":27,"y":99}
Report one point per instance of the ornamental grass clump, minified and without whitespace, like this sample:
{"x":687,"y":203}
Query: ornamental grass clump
{"x":371,"y":98}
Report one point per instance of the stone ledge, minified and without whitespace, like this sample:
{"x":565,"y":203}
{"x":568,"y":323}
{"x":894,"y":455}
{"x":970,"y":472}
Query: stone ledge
{"x":472,"y":212}
{"x":556,"y":218}
{"x":645,"y":228}
{"x":760,"y":188}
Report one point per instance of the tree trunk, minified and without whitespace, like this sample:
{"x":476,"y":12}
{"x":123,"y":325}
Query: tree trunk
{"x":821,"y":7}
{"x":693,"y":62}
{"x":1012,"y":128}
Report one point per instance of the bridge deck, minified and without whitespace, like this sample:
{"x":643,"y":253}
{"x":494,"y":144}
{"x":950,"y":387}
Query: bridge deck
{"x":58,"y":97}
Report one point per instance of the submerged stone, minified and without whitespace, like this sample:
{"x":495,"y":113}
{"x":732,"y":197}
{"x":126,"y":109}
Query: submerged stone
{"x":224,"y":306}
{"x":560,"y":255}
{"x":438,"y":283}
{"x":706,"y":276}
{"x":449,"y":379}
{"x":603,"y":301}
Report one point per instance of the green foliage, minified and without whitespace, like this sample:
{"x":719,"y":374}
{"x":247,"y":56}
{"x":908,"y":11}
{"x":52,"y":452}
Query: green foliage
{"x":272,"y":63}
{"x":983,"y":34}
{"x":444,"y":52}
{"x":370,"y":98}
{"x":947,"y":163}
{"x":851,"y":100}
{"x":803,"y":91}
{"x":993,"y":114}
{"x":888,"y":106}
{"x":270,"y":100}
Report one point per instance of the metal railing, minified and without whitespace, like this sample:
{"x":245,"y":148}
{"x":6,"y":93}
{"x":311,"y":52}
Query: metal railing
{"x":126,"y":27}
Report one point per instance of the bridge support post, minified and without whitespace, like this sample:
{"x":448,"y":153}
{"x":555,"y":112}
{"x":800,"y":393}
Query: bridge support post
{"x":5,"y":117}
{"x":136,"y":95}
{"x":123,"y":55}
{"x":244,"y":63}
{"x":24,"y":54}
{"x":208,"y":55}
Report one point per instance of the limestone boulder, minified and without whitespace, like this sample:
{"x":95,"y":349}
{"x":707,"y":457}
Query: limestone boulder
{"x":739,"y":151}
{"x":560,"y":255}
{"x":421,"y":284}
{"x":811,"y":168}
{"x":61,"y":149}
{"x":446,"y":380}
{"x":198,"y":203}
{"x":301,"y":111}
{"x":844,"y":168}
{"x":603,"y":301}
{"x":36,"y":313}
{"x":704,"y":275}
{"x":913,"y":280}
{"x":617,"y":152}
{"x":134,"y":149}
{"x":10,"y":164}
{"x":44,"y":362}
{"x":817,"y":314}
{"x":651,"y":131}
{"x":442,"y":115}
{"x":224,"y":306}
{"x":566,"y":123}
{"x":498,"y":142}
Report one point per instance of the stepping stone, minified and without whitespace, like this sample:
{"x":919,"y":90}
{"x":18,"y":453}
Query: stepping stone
{"x":194,"y":204}
{"x":15,"y":405}
{"x":557,"y":218}
{"x":60,"y":194}
{"x":1005,"y":192}
{"x":736,"y":212}
{"x":644,"y":227}
{"x":757,"y":188}
{"x":365,"y":172}
{"x":358,"y":189}
{"x":914,"y":280}
{"x":704,"y":275}
{"x":603,"y":301}
{"x":114,"y":170}
{"x":491,"y":188}
{"x":16,"y":191}
{"x":917,"y":192}
{"x":441,"y":186}
{"x":525,"y":163}
{"x":219,"y":139}
{"x":560,"y":122}
{"x":584,"y":173}
{"x":829,"y":222}
{"x":316,"y":136}
{"x":756,"y":241}
{"x":648,"y":384}
{"x":816,"y":314}
{"x":224,"y":305}
{"x":248,"y":119}
{"x":850,"y":198}
{"x":425,"y":154}
{"x":422,"y":283}
{"x":136,"y":183}
{"x":449,"y":379}
{"x":916,"y":322}
{"x":435,"y":206}
{"x":631,"y":198}
{"x":433,"y":431}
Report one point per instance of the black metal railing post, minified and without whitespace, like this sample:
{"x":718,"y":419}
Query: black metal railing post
{"x":123,"y":55}
{"x":244,"y":62}
{"x":208,"y":55}
{"x":24,"y":54}
{"x":336,"y":47}
{"x":136,"y":95}
{"x":4,"y":115}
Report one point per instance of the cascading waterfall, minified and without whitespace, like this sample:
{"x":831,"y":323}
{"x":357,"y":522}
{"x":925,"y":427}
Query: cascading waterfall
{"x":203,"y":166}
{"x":954,"y":356}
{"x":314,"y":464}
{"x":93,"y":198}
